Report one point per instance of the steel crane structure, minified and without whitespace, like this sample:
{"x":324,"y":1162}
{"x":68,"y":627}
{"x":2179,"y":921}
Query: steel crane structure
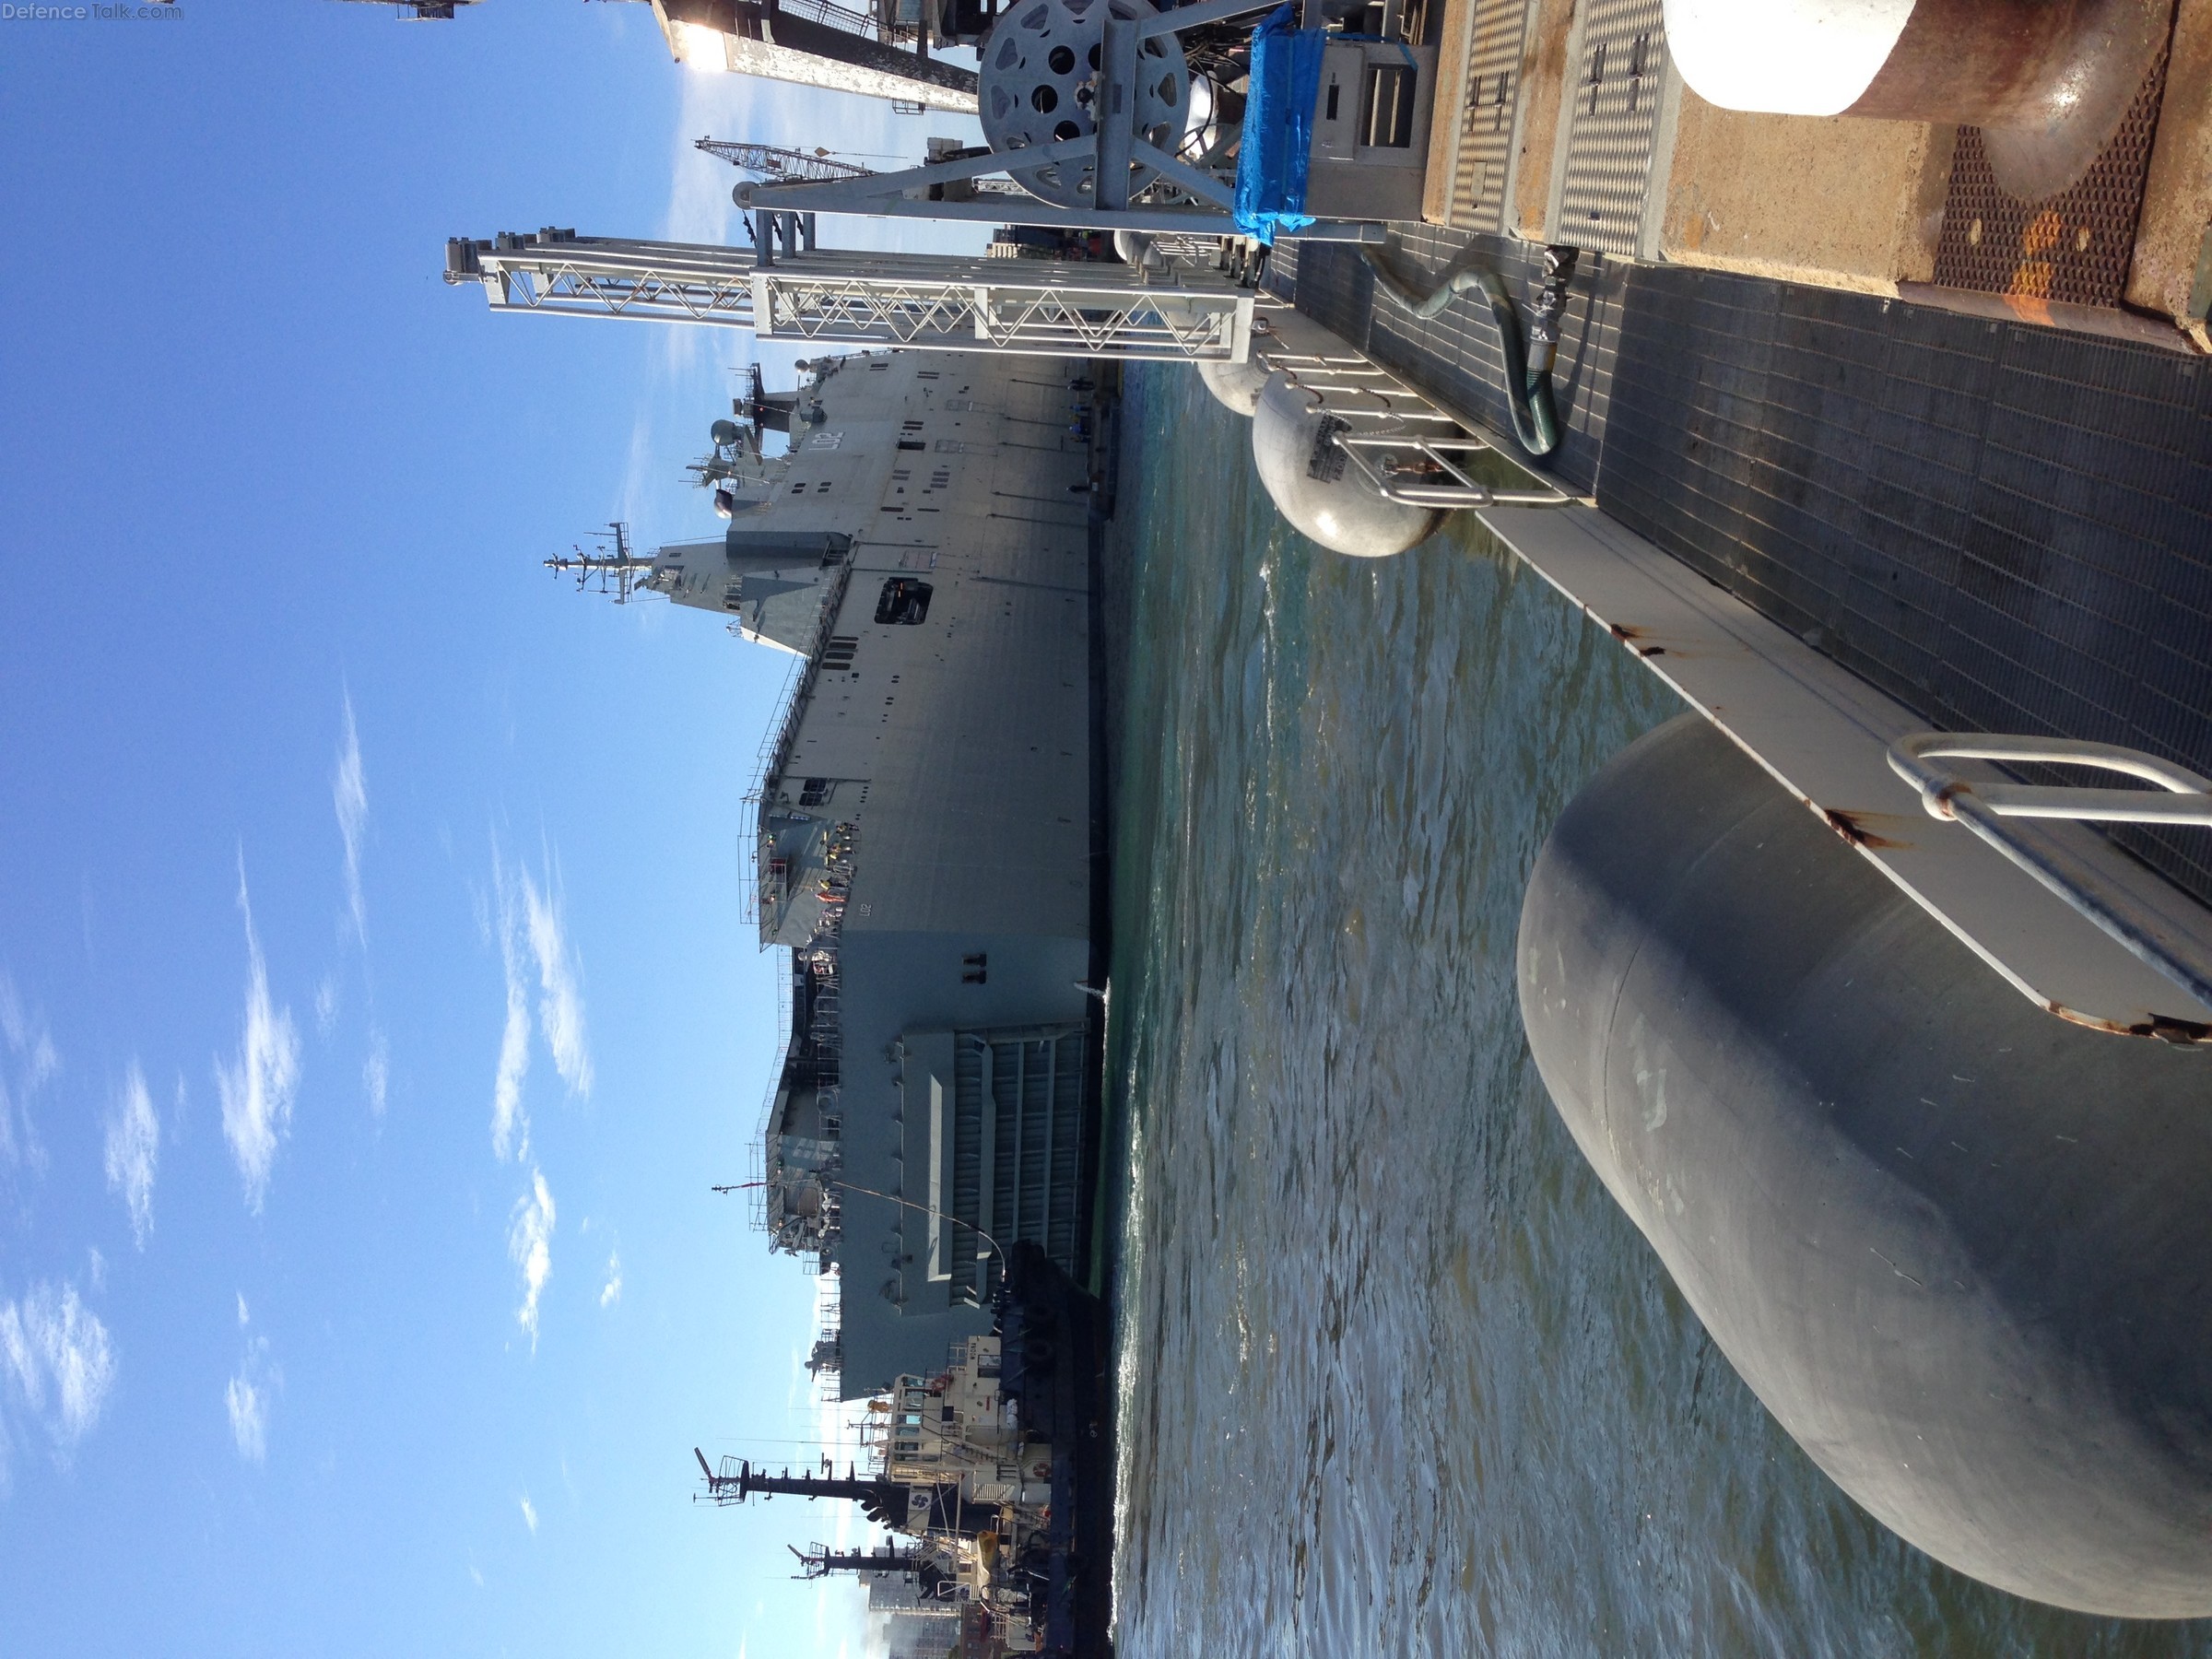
{"x":779,"y":162}
{"x":1047,"y":308}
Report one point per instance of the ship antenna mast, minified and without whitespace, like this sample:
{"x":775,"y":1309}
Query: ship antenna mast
{"x":614,"y":566}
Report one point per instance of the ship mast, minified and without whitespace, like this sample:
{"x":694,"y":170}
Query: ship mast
{"x":614,"y":565}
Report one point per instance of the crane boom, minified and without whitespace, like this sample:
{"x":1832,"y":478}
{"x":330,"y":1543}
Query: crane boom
{"x":778,"y":162}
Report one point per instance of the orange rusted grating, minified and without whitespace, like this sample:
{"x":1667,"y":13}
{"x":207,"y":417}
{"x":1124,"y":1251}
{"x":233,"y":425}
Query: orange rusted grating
{"x":2073,"y":248}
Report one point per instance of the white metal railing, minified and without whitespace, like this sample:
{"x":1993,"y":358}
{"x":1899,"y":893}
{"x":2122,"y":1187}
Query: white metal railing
{"x":1423,"y":469}
{"x":2169,"y":937}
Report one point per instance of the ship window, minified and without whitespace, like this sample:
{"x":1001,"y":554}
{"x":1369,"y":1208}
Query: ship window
{"x":903,"y":600}
{"x":1330,"y":112}
{"x":873,"y":366}
{"x":798,"y":489}
{"x":912,"y":443}
{"x":1387,"y":111}
{"x":925,"y":375}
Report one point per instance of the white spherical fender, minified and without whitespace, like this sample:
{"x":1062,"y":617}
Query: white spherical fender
{"x":1235,"y":386}
{"x":1324,"y":498}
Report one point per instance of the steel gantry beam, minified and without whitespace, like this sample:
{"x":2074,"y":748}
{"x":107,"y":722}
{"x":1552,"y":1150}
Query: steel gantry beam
{"x":927,"y":301}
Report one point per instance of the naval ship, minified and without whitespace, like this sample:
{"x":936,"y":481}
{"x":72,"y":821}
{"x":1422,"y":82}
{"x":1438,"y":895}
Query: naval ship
{"x":923,"y":845}
{"x":927,"y":849}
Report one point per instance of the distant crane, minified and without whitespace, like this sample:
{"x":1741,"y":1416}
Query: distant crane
{"x":777,"y":162}
{"x":818,"y":166}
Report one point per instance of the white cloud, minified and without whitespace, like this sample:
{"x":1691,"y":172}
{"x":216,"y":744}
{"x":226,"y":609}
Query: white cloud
{"x":257,"y":1091}
{"x":96,"y":1268}
{"x":510,"y":1118}
{"x":249,"y":1407}
{"x":376,"y":1072}
{"x":31,"y":1064}
{"x":529,"y":1514}
{"x":560,"y":1006}
{"x":134,"y":1149}
{"x":58,"y":1359}
{"x":350,"y":795}
{"x":326,"y":1004}
{"x":611,"y":1292}
{"x":247,"y":1395}
{"x":530,"y":1247}
{"x":532,"y":934}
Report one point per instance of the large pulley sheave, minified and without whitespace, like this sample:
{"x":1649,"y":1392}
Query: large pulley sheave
{"x":1040,"y":84}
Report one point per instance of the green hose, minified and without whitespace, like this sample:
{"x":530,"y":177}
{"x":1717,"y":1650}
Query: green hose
{"x":1527,"y":367}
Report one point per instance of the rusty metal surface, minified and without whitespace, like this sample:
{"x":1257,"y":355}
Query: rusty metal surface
{"x":2073,"y":248}
{"x":2048,"y":83}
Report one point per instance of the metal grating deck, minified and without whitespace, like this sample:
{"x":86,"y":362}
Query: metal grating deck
{"x":1483,"y":160}
{"x":1611,"y":120}
{"x":2075,"y":247}
{"x":2005,"y":527}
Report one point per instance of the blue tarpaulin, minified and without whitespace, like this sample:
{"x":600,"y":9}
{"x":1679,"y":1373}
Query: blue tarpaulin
{"x":1276,"y":148}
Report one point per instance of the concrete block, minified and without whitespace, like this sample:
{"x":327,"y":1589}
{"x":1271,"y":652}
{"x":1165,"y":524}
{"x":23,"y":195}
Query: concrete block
{"x":2177,"y":195}
{"x":1847,"y":203}
{"x":1542,"y":87}
{"x":1456,"y":46}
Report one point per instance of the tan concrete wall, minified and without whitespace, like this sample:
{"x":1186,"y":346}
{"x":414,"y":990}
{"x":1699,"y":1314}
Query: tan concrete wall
{"x":1841,"y":203}
{"x":2177,"y":197}
{"x":1543,"y":81}
{"x":1455,"y":46}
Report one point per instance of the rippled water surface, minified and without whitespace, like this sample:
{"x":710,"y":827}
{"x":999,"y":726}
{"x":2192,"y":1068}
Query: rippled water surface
{"x":1397,"y":1375}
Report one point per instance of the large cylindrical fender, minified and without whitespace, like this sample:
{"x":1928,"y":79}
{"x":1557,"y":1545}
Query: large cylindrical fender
{"x":1313,"y":486}
{"x":1959,"y":1248}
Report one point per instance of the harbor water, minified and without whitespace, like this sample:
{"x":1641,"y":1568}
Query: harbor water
{"x":1395,"y":1374}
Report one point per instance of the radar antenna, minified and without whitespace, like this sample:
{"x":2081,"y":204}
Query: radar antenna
{"x":722,"y":1488}
{"x":615,"y":567}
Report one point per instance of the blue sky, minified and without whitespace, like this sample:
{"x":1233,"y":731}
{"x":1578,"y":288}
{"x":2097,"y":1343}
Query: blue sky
{"x":375,"y":1006}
